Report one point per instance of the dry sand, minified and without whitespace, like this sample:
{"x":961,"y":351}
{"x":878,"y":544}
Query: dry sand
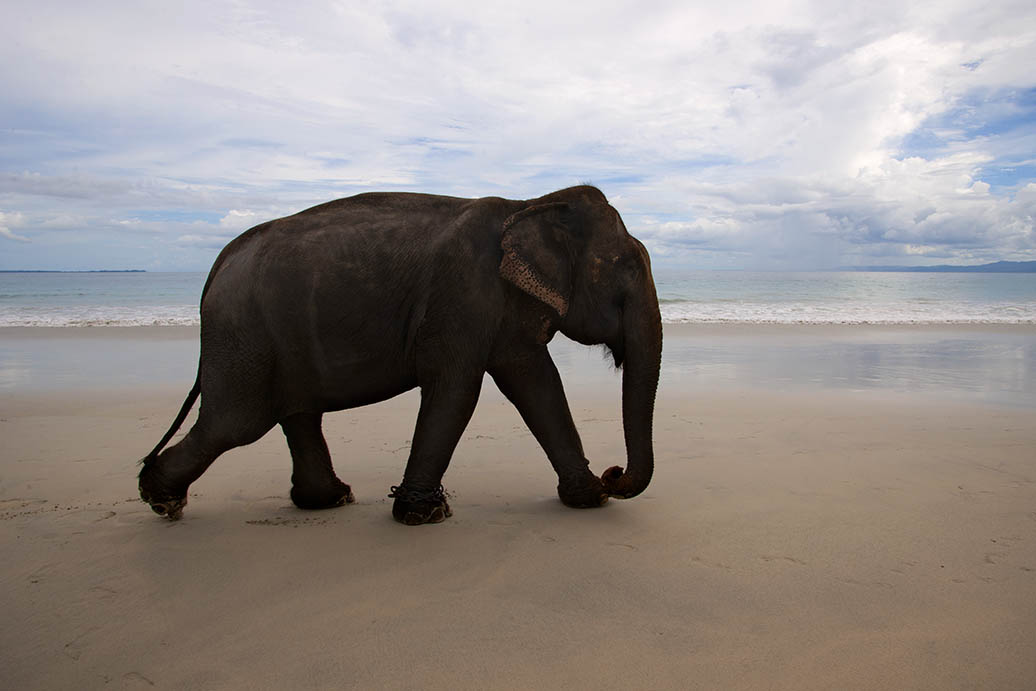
{"x":802,"y":539}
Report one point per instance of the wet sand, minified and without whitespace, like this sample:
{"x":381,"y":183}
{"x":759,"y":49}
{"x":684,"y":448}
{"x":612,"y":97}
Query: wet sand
{"x":838,"y":531}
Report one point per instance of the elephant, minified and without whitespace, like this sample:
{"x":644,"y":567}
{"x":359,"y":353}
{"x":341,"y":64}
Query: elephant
{"x":358,"y":300}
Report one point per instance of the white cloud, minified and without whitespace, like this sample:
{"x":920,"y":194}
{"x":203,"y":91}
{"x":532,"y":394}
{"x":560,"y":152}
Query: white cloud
{"x":11,"y":219}
{"x":740,"y":132}
{"x":11,"y":235}
{"x":212,"y":242}
{"x":240,"y":220}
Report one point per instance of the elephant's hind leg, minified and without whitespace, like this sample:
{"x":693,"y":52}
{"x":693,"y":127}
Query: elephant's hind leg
{"x":164,"y":480}
{"x":314,"y":484}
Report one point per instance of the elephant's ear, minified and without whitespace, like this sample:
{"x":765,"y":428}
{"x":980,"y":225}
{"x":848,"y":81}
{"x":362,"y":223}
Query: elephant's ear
{"x":537,"y":257}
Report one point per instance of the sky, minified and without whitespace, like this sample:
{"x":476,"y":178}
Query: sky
{"x":758,"y":134}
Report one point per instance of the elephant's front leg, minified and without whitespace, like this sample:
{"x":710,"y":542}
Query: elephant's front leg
{"x":532,"y":383}
{"x":446,"y":408}
{"x":314,"y":484}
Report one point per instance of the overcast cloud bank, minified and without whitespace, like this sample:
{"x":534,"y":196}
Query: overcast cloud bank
{"x":753,"y":134}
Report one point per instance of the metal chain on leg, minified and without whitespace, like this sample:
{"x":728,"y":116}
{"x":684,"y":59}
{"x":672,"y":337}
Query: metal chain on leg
{"x":437,"y":495}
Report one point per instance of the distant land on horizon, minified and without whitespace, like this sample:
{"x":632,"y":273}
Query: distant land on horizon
{"x":992,"y":268}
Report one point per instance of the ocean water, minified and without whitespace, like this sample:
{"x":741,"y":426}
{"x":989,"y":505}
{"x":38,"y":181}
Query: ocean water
{"x":995,"y":365}
{"x":100,"y":299}
{"x":152,"y":299}
{"x":834,"y":297}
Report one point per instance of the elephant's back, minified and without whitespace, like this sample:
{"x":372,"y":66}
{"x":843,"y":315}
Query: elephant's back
{"x":383,"y":204}
{"x":342,"y":285}
{"x":362,"y":232}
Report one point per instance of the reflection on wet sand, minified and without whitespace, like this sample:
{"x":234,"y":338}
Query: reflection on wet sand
{"x":995,"y":364}
{"x":992,"y":364}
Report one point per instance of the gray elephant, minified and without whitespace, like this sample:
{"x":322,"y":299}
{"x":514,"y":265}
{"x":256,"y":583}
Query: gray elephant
{"x":358,"y":300}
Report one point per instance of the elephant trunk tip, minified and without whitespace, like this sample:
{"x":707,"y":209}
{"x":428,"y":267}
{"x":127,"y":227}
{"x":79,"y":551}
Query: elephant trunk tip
{"x":620,"y":484}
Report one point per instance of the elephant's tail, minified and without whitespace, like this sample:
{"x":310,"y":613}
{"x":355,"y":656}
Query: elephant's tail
{"x":181,"y":416}
{"x":196,"y":389}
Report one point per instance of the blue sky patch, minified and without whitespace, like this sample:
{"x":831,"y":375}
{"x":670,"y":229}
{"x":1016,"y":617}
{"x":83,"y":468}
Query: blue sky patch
{"x":983,"y":117}
{"x":176,"y":215}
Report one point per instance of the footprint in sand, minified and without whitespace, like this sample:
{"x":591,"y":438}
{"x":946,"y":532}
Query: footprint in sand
{"x":793,"y":560}
{"x":289,"y":522}
{"x":713,"y":564}
{"x":20,"y":503}
{"x":137,"y":677}
{"x":41,"y":574}
{"x":868,"y":584}
{"x":74,"y":648}
{"x":903,"y":566}
{"x":12,"y":508}
{"x":623,"y":545}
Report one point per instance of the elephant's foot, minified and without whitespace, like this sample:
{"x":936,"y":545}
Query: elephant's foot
{"x":158,"y":494}
{"x":415,"y":508}
{"x":584,"y":492}
{"x":170,"y":507}
{"x":327,"y":496}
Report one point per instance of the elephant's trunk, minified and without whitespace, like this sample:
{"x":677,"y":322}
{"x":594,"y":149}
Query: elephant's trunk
{"x":643,"y":358}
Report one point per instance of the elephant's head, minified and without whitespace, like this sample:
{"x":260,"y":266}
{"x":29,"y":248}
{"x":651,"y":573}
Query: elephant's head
{"x":571,"y":251}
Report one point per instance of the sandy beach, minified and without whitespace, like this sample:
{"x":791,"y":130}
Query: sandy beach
{"x":832,"y":508}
